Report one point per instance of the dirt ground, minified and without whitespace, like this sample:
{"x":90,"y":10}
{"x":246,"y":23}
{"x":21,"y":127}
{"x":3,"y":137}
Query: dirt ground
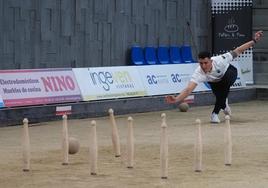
{"x":250,"y":154}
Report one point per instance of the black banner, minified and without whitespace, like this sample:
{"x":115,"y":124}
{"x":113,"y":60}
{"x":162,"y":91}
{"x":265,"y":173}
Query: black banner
{"x":231,"y":24}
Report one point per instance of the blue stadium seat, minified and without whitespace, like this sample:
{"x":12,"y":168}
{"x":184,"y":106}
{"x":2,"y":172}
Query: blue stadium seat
{"x":137,"y":56}
{"x":186,"y":54}
{"x":175,"y":55}
{"x":150,"y":56}
{"x":163,"y":55}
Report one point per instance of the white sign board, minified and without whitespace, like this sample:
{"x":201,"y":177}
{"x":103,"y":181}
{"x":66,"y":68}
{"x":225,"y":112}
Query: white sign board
{"x":109,"y":82}
{"x":165,"y":79}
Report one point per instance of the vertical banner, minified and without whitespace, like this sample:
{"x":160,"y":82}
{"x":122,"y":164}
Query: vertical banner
{"x":232,"y":26}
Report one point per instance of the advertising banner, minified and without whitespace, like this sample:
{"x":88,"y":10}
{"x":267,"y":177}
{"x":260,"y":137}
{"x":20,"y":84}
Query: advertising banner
{"x":46,"y":86}
{"x":109,"y":82}
{"x":232,"y":26}
{"x":165,"y":79}
{"x":38,"y":86}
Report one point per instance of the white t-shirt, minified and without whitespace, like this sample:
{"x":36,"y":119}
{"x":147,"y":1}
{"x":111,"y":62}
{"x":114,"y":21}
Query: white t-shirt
{"x":220,"y":65}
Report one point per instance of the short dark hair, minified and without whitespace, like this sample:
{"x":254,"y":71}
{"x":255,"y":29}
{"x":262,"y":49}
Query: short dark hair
{"x":204,"y":54}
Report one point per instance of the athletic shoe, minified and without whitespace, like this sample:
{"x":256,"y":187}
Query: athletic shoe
{"x":214,"y":118}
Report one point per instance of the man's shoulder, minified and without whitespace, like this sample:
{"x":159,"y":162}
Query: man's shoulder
{"x":222,"y":57}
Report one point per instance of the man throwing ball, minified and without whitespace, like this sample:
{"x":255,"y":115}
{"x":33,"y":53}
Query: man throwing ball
{"x":220,"y":75}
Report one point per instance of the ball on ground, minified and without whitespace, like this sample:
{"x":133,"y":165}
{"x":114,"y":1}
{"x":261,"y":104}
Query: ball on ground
{"x":183,"y":107}
{"x":73,"y":145}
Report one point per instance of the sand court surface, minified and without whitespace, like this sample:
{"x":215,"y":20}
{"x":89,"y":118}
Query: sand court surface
{"x":249,"y":168}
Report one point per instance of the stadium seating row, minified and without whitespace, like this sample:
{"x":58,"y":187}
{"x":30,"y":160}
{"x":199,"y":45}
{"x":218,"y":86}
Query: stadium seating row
{"x":161,"y":55}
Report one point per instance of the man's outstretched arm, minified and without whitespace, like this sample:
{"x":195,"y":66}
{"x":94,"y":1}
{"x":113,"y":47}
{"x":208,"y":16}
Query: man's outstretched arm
{"x":185,"y":93}
{"x":247,"y":45}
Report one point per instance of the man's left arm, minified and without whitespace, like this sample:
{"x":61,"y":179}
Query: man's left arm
{"x":236,"y":52}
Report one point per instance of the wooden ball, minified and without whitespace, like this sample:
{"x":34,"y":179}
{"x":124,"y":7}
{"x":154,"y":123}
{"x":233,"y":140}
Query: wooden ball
{"x":183,"y":107}
{"x":73,"y":145}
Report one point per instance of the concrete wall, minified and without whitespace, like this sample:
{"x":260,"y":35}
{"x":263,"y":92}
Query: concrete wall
{"x":260,"y":17}
{"x":90,"y":33}
{"x":14,"y":116}
{"x":260,"y":50}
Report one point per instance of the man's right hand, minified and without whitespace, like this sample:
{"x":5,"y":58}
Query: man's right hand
{"x":170,"y":99}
